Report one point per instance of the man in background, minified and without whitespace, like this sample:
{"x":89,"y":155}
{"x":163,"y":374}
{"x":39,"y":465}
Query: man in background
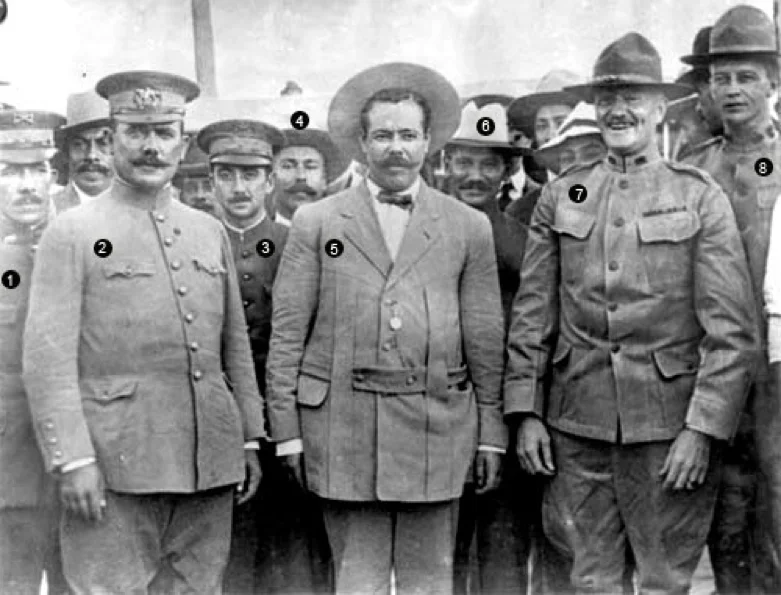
{"x":194,"y":181}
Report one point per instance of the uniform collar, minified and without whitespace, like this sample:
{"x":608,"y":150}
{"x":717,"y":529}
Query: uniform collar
{"x":754,"y":140}
{"x":142,"y":199}
{"x":633,"y":163}
{"x":243,"y":230}
{"x":14,"y":233}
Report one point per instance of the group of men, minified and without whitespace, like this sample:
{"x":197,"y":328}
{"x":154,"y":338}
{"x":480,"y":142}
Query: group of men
{"x":528,"y":356}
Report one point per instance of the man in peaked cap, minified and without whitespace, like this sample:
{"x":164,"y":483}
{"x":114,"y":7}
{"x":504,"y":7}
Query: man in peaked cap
{"x":88,"y":145}
{"x":28,"y":495}
{"x":636,"y":296}
{"x":743,"y":62}
{"x":135,"y":330}
{"x":386,"y":349}
{"x":193,"y":179}
{"x":303,"y":169}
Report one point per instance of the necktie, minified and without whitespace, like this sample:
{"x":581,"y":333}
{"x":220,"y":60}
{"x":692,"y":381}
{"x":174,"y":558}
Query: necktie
{"x":403,"y":201}
{"x":504,"y":195}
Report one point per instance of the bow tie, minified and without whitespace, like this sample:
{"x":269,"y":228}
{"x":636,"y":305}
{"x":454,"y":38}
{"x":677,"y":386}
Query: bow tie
{"x":403,"y":201}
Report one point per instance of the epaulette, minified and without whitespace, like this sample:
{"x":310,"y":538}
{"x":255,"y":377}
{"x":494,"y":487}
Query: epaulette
{"x":693,"y":171}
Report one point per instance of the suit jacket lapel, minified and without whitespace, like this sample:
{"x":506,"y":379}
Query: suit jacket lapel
{"x":363,"y":229}
{"x":421,"y":234}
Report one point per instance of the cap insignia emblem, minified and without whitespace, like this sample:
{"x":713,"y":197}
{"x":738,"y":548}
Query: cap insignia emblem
{"x":147,"y":98}
{"x":23,"y":119}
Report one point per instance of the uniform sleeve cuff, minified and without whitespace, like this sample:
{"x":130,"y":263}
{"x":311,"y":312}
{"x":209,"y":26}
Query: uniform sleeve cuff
{"x":290,"y":447}
{"x":77,"y":464}
{"x":774,"y":339}
{"x":489,"y":448}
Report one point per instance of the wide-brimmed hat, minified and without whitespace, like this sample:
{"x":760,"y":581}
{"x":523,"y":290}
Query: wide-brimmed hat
{"x":195,"y":162}
{"x":335,"y":162}
{"x":344,"y":113}
{"x":549,"y":91}
{"x":633,"y":61}
{"x":582,"y":121}
{"x":700,"y":48}
{"x":468,"y":135}
{"x":84,"y":110}
{"x":743,"y":31}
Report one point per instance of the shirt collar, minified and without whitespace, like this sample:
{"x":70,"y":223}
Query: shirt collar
{"x":518,"y":180}
{"x":282,"y":220}
{"x":83,"y":196}
{"x":413,"y":190}
{"x":632,"y":163}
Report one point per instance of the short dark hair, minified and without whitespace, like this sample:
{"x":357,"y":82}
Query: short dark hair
{"x":505,"y":156}
{"x":396,"y":95}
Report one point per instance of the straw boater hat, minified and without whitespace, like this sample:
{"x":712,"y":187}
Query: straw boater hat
{"x":581,"y":122}
{"x":742,"y":31}
{"x":549,"y":91}
{"x":344,"y":121}
{"x":335,"y":162}
{"x":632,"y":61}
{"x":467,"y":134}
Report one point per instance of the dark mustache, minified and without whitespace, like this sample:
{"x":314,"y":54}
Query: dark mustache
{"x":28,"y":198}
{"x":240,"y":197}
{"x":93,"y":167}
{"x":301,"y":187}
{"x":150,"y":161}
{"x":475,"y":185}
{"x":395,"y":161}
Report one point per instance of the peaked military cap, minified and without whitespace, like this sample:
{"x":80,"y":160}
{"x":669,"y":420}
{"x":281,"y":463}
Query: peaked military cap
{"x":28,"y":136}
{"x":344,"y":113}
{"x":743,"y":31}
{"x":240,"y":142}
{"x":550,"y":90}
{"x":335,"y":161}
{"x":146,"y":96}
{"x":633,"y":61}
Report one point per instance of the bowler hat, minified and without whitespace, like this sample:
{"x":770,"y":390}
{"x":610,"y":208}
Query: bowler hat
{"x":468,"y":134}
{"x":743,"y":31}
{"x":335,"y":162}
{"x":549,"y":91}
{"x":633,"y":61}
{"x":344,"y":113}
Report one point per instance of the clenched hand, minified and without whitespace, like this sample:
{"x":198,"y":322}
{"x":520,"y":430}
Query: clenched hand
{"x":246,"y":490}
{"x":488,"y":471}
{"x":534,"y":447}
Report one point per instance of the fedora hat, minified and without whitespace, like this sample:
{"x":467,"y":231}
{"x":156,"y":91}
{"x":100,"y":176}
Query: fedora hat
{"x":84,"y":110}
{"x":468,"y":135}
{"x":743,"y":31}
{"x":335,"y":162}
{"x":632,"y":61}
{"x":344,"y":112}
{"x":549,"y":91}
{"x":582,"y":121}
{"x":700,"y":48}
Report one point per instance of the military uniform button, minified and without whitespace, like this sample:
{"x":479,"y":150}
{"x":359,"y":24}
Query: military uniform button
{"x":160,"y":218}
{"x":246,"y":276}
{"x":52,"y":440}
{"x":411,"y":379}
{"x":619,"y":222}
{"x":246,"y":303}
{"x":121,"y":458}
{"x":129,"y":269}
{"x":189,"y":317}
{"x":176,"y":265}
{"x":623,"y":184}
{"x":245,"y":253}
{"x":197,"y":375}
{"x":613,"y":265}
{"x":194,"y":346}
{"x":386,"y":346}
{"x":615,"y":348}
{"x":182,"y":290}
{"x":389,"y":302}
{"x":177,"y":231}
{"x":358,"y":378}
{"x":48,"y":425}
{"x":57,"y":454}
{"x":612,"y":307}
{"x":168,"y":242}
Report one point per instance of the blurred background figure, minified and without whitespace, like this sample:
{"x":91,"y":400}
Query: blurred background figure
{"x":194,"y":182}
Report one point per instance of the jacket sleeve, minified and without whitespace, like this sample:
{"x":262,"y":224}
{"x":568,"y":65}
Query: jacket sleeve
{"x":482,"y":327}
{"x":236,"y":352}
{"x":772,"y":288}
{"x":535,"y":314}
{"x":295,"y":298}
{"x":51,"y":347}
{"x":726,"y":311}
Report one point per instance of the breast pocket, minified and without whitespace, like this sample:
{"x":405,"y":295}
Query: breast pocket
{"x":666,"y":243}
{"x":121,"y":270}
{"x":574,"y":229}
{"x":210,"y":280}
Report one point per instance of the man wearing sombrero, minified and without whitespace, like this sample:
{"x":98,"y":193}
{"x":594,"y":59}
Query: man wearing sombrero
{"x":743,"y":61}
{"x":635,"y":293}
{"x":386,"y":352}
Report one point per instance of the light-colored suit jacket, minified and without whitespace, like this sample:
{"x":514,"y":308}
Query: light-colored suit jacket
{"x":388,"y":371}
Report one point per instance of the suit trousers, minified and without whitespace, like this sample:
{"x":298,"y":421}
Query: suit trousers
{"x":150,"y":543}
{"x":29,"y":545}
{"x":607,"y":499}
{"x":414,"y":541}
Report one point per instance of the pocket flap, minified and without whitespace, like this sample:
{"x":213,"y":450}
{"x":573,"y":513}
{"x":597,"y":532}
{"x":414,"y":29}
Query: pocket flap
{"x":208,"y":266}
{"x":668,"y":228}
{"x":312,"y":391}
{"x":562,"y":351}
{"x":128,"y":268}
{"x":674,"y":362}
{"x":110,"y":390}
{"x":575,"y":224}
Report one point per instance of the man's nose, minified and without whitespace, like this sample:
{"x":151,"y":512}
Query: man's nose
{"x":26,"y":181}
{"x":239,"y":185}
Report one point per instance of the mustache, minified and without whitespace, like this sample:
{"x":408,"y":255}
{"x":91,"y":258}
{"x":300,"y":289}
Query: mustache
{"x":92,"y":166}
{"x":149,"y":161}
{"x":301,"y":187}
{"x":30,"y":198}
{"x":395,"y":161}
{"x":475,"y":185}
{"x":240,"y":198}
{"x":620,"y":120}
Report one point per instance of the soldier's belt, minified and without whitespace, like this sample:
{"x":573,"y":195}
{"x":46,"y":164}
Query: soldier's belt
{"x":403,"y":380}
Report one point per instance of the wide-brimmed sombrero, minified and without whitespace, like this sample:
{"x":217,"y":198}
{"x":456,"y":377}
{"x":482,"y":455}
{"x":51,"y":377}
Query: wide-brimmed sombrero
{"x":335,"y":162}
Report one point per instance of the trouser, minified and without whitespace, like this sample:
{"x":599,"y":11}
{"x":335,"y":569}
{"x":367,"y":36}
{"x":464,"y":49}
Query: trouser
{"x":278,"y":543}
{"x":607,"y":499}
{"x":150,"y":543}
{"x":371,"y":539}
{"x":29,"y":544}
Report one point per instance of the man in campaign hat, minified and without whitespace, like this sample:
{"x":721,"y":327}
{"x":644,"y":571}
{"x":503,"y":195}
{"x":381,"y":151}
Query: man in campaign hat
{"x":743,"y":62}
{"x":193,"y":179}
{"x":303,"y":169}
{"x":87,"y":142}
{"x":138,"y":367}
{"x":29,"y":539}
{"x":386,"y":349}
{"x":636,"y":296}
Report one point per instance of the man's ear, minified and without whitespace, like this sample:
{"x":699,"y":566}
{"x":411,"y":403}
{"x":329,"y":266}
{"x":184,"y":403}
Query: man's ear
{"x":185,"y":146}
{"x":271,"y":180}
{"x":54,"y":174}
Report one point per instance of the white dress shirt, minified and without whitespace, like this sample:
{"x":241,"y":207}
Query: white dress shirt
{"x":84,"y":198}
{"x":772,"y":289}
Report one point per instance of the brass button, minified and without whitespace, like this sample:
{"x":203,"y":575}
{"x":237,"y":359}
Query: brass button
{"x":52,"y":441}
{"x":57,"y":454}
{"x":615,"y":348}
{"x":411,"y":379}
{"x":619,"y":222}
{"x":246,"y":303}
{"x":189,"y":317}
{"x":177,"y":231}
{"x":613,"y":265}
{"x":386,"y":346}
{"x":129,"y":269}
{"x":182,"y":290}
{"x":48,"y":425}
{"x":168,"y":242}
{"x":612,"y":307}
{"x":194,"y":346}
{"x":160,"y":217}
{"x":359,"y":378}
{"x":623,"y":184}
{"x":389,"y":302}
{"x":246,"y":276}
{"x":176,"y":265}
{"x":197,"y":375}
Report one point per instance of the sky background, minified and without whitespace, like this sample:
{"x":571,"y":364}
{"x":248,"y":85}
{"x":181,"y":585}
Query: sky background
{"x":51,"y":48}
